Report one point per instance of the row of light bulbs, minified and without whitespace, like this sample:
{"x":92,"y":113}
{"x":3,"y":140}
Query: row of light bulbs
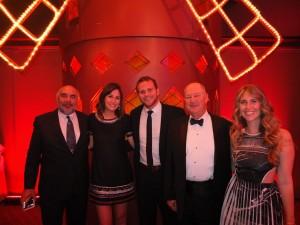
{"x":17,"y":25}
{"x":218,"y":7}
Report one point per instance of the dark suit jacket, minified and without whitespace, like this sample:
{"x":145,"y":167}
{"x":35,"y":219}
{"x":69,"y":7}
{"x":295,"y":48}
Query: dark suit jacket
{"x":61,"y":172}
{"x":168,"y":113}
{"x":175,"y":169}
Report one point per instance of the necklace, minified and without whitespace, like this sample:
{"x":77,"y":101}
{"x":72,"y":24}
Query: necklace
{"x":103,"y":120}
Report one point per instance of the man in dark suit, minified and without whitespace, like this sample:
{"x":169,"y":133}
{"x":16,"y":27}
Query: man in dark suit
{"x":198,"y":161}
{"x":63,"y":183}
{"x":149,"y":169}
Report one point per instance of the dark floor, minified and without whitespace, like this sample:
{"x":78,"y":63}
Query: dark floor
{"x":12,"y":214}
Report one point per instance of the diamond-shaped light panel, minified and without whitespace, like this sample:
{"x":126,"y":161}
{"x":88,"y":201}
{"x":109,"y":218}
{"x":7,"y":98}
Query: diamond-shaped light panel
{"x":137,"y":62}
{"x":131,"y":101}
{"x":18,"y":24}
{"x":102,"y":63}
{"x":202,"y":64}
{"x":75,"y":66}
{"x":64,"y":67}
{"x":173,"y":97}
{"x":95,"y":100}
{"x":172,"y":62}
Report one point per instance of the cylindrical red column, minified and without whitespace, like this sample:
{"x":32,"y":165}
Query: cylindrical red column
{"x":119,"y":28}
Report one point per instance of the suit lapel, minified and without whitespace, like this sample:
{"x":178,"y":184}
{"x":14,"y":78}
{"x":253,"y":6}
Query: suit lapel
{"x":163,"y":124}
{"x":81,"y":128}
{"x":183,"y":133}
{"x":137,"y":124}
{"x":215,"y":126}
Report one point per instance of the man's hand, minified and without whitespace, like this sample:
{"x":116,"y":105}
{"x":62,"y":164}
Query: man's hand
{"x":27,"y":194}
{"x":172,"y":204}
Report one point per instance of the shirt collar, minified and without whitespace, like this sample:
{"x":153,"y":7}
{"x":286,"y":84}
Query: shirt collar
{"x":156,"y":109}
{"x":65,"y":116}
{"x":204,"y":117}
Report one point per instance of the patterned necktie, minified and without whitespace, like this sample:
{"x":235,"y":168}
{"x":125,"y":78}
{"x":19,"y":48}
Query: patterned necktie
{"x":193,"y":121}
{"x":71,"y":139}
{"x":149,"y":139}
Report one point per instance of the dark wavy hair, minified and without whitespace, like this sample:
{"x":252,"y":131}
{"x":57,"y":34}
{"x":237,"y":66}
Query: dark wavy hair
{"x":110,"y":87}
{"x":269,"y":125}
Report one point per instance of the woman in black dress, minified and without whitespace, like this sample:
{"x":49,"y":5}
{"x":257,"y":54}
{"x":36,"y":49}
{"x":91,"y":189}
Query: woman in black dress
{"x":112,"y":183}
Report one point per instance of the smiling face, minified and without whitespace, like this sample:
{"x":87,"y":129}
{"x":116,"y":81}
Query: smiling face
{"x":112,"y":101}
{"x":196,"y":100}
{"x":148,"y":93}
{"x":250,"y":108}
{"x":67,"y":99}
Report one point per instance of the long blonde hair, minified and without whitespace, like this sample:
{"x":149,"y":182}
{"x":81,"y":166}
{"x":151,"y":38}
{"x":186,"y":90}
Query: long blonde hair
{"x":269,"y":126}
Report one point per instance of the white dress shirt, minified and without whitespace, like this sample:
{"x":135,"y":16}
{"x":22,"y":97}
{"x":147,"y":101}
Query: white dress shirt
{"x":200,"y":148}
{"x":156,"y":122}
{"x":63,"y":124}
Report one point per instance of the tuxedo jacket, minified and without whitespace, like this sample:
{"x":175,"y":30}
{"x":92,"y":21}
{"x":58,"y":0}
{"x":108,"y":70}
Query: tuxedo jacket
{"x":61,"y":172}
{"x":175,"y":169}
{"x":168,"y":113}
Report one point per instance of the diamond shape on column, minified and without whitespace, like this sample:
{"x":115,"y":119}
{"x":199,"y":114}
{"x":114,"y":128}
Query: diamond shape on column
{"x":137,"y":62}
{"x":74,"y":66}
{"x":173,"y":97}
{"x":64,"y":67}
{"x":95,"y":100}
{"x":202,"y":64}
{"x":172,"y":62}
{"x":102,"y":63}
{"x":131,"y":101}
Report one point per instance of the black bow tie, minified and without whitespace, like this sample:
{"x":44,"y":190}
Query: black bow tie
{"x":193,"y":121}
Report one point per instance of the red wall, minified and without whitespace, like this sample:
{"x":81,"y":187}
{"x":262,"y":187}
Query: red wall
{"x":23,"y":96}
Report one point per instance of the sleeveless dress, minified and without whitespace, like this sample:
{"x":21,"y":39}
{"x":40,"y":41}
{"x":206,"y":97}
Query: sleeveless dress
{"x":248,"y":201}
{"x":111,"y":172}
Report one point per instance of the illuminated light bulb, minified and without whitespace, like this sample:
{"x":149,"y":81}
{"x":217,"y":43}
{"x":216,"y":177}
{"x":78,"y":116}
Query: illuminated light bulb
{"x":17,"y":25}
{"x":238,"y":35}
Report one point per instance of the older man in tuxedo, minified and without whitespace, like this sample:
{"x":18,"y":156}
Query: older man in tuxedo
{"x":59,"y":145}
{"x":198,"y":161}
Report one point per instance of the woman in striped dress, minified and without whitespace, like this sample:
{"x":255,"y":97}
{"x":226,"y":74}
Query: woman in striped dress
{"x":261,"y":149}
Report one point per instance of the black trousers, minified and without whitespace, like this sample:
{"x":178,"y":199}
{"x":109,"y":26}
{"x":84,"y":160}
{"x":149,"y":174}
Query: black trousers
{"x":149,"y":185}
{"x":199,"y":205}
{"x":75,"y":206}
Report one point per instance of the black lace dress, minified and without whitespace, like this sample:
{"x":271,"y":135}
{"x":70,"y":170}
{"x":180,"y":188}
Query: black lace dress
{"x":111,"y":173}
